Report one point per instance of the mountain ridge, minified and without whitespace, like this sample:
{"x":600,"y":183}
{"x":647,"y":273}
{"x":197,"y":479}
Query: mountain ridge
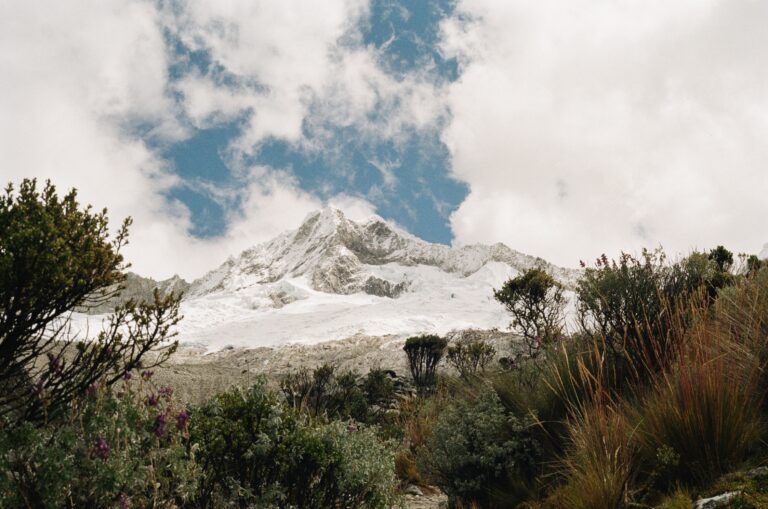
{"x":333,"y":250}
{"x":335,"y":278}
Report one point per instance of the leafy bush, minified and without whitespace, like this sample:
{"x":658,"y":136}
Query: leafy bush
{"x":55,"y":256}
{"x":536,"y":302}
{"x":424,"y":354}
{"x":637,"y":306}
{"x":470,"y":355}
{"x":255,"y":451}
{"x":125,"y":448}
{"x":378,"y":388}
{"x":479,"y":454}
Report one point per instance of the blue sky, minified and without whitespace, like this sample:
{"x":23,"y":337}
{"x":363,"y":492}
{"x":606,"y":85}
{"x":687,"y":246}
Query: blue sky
{"x":416,"y":190}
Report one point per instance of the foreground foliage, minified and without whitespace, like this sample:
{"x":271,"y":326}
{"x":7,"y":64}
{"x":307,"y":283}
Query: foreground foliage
{"x":56,"y":255}
{"x":124,"y":448}
{"x":254,"y":451}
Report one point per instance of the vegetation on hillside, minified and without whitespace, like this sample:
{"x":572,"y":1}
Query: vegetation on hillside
{"x":652,"y":398}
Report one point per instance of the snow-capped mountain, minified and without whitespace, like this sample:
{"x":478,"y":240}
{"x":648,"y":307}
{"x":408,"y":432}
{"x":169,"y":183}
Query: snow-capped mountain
{"x":338,"y":255}
{"x":333,"y":278}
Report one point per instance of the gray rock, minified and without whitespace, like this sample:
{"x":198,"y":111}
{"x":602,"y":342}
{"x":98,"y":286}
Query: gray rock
{"x":716,"y":502}
{"x":757,"y":472}
{"x":414,"y":490}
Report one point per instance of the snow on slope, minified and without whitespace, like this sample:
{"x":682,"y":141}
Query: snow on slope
{"x":333,"y":278}
{"x":764,"y":253}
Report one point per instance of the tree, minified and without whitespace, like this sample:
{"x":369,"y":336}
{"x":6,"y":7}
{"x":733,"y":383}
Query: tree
{"x":537,"y":303}
{"x":55,"y":256}
{"x":424,"y":354}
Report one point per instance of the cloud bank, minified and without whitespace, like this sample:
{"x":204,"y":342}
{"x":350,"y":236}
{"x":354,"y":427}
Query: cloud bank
{"x":585,"y":127}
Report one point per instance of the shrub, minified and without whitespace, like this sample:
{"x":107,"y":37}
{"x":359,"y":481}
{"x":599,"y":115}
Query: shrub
{"x":424,"y":354}
{"x":469,"y":355}
{"x":479,"y":454}
{"x":254,"y":451}
{"x":637,"y":306}
{"x":406,"y":469}
{"x":536,"y":302}
{"x":54,"y":256}
{"x":325,"y":393}
{"x":378,"y":387}
{"x":125,"y":448}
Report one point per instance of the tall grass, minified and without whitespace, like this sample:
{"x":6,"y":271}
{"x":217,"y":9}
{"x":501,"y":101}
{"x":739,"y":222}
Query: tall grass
{"x":688,"y":419}
{"x":705,"y":407}
{"x":601,"y":461}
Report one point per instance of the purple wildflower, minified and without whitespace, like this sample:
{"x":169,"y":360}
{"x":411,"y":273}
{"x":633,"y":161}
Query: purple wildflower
{"x":55,"y":364}
{"x":125,"y":501}
{"x":166,"y":392}
{"x":127,"y":376}
{"x":37,"y":389}
{"x":152,"y":400}
{"x":101,"y":449}
{"x":92,"y":389}
{"x":182,"y":418}
{"x":146,"y":375}
{"x":160,"y":424}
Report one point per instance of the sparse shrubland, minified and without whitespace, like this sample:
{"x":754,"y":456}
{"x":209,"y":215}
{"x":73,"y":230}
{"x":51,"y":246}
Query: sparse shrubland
{"x":654,"y":398}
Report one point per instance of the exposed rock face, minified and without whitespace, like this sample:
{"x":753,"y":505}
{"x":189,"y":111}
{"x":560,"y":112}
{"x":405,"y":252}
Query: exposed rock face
{"x":335,"y":253}
{"x":140,"y":289}
{"x":383,"y":288}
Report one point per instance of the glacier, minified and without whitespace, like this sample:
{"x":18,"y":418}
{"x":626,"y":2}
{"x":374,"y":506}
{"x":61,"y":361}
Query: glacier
{"x":334,"y":278}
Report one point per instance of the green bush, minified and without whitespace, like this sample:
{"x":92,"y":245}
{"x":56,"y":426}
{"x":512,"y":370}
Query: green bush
{"x":470,"y":355}
{"x":326,"y":393}
{"x":479,"y":454}
{"x":255,"y":451}
{"x":112,"y":449}
{"x":378,"y":388}
{"x":56,"y":256}
{"x":637,"y":306}
{"x":424,"y":354}
{"x":536,"y":302}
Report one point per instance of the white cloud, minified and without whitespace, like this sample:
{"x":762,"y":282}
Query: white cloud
{"x":585,"y":126}
{"x":78,"y":76}
{"x":295,"y":64}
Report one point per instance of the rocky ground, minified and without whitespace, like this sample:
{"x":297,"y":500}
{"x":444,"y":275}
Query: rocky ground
{"x":197,"y":374}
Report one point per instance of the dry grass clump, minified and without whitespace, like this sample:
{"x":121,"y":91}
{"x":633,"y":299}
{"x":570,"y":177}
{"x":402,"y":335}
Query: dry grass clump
{"x":601,"y":461}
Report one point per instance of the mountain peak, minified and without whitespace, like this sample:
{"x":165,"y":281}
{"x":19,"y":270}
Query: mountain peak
{"x":337,"y":255}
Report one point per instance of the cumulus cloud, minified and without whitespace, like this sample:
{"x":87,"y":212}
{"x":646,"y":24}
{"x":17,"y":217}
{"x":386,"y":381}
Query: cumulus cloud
{"x":295,"y":66}
{"x":80,"y":80}
{"x":584,"y":126}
